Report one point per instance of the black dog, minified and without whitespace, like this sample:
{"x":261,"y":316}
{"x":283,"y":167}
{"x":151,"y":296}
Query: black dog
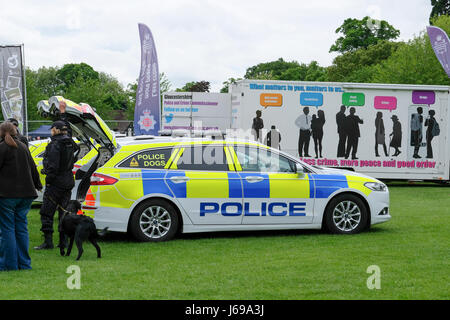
{"x":78,"y":228}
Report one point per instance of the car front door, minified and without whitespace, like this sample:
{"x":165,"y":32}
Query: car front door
{"x":204,"y":182}
{"x":273,"y":191}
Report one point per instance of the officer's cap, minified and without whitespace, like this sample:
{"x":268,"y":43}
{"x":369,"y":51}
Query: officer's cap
{"x":60,"y":125}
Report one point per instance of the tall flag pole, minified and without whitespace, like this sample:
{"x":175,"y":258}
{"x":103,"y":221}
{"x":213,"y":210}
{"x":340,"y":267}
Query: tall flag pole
{"x":441,"y":46}
{"x":147,"y":111}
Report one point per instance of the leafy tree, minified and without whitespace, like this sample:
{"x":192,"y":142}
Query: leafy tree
{"x":199,"y":86}
{"x":282,"y":70}
{"x":355,"y":66}
{"x":270,"y":70}
{"x":439,"y":7}
{"x":34,"y":95}
{"x":362,"y":33}
{"x":100,"y":90}
{"x":314,"y":72}
{"x":69,"y":73}
{"x":164,"y":83}
{"x":228,"y":83}
{"x":442,"y":21}
{"x":48,"y":81}
{"x":414,"y":62}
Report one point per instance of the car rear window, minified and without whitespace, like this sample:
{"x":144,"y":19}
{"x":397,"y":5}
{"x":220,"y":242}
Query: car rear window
{"x":148,"y":159}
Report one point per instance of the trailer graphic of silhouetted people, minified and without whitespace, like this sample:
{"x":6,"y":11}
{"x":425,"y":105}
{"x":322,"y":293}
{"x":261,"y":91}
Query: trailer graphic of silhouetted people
{"x":396,"y":135}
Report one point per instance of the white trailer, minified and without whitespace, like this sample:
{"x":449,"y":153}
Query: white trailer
{"x":387,"y":131}
{"x":195,"y":111}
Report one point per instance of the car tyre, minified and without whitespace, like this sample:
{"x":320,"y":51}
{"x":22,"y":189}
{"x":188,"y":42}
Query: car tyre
{"x":154,"y":221}
{"x":346,"y":214}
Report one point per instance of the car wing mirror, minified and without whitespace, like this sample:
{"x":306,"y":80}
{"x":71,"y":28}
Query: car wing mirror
{"x":299,"y":170}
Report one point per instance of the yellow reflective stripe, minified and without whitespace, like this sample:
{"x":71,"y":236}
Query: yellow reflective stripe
{"x":355,"y":182}
{"x":172,"y":156}
{"x":174,"y":163}
{"x":41,"y":147}
{"x":229,"y":159}
{"x":106,"y":130}
{"x":207,"y":184}
{"x":289,"y":185}
{"x":235,"y":159}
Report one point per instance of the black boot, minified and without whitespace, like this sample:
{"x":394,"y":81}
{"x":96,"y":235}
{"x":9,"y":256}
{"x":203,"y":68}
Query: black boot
{"x":48,"y":242}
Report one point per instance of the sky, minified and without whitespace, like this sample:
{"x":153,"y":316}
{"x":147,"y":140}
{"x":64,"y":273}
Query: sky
{"x":195,"y":40}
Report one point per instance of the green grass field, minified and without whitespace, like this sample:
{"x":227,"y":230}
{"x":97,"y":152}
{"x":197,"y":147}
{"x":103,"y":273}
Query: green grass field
{"x":412,"y":251}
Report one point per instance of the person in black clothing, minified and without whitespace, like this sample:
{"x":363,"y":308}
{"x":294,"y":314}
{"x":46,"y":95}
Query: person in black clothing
{"x":19,"y":136}
{"x":429,"y":123}
{"x":58,"y":163}
{"x":380,"y":136}
{"x":352,"y":128}
{"x":317,"y":123}
{"x":340,"y":121}
{"x":416,"y":131}
{"x":303,"y":122}
{"x":257,"y":125}
{"x":19,"y":180}
{"x":396,"y":140}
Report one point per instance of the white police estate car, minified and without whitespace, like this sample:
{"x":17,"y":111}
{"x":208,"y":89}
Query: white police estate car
{"x":155,"y":187}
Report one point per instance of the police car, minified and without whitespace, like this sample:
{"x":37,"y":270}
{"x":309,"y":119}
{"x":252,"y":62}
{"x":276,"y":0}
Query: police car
{"x":155,"y":187}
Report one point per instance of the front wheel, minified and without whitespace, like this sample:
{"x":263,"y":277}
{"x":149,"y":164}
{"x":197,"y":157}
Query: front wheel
{"x":154,"y":221}
{"x":346,"y":214}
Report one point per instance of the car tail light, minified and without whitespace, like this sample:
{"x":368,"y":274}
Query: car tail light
{"x":99,"y":179}
{"x":75,"y":168}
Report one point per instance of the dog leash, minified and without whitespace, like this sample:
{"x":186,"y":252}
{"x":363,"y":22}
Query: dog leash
{"x":58,"y":206}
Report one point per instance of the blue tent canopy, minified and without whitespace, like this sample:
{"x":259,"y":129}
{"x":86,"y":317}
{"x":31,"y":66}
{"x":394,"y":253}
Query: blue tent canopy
{"x":43,"y":132}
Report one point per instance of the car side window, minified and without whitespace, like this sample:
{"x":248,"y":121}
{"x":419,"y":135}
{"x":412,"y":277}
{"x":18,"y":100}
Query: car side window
{"x":205,"y":158}
{"x":148,"y":159}
{"x":262,"y":160}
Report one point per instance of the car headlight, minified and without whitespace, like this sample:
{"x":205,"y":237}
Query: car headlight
{"x":375,"y":186}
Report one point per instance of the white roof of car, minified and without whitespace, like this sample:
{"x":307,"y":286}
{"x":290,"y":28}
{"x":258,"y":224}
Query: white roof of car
{"x":134,"y":140}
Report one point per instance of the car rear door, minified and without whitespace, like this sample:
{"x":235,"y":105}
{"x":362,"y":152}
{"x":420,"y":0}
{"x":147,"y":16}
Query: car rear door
{"x":85,"y":125}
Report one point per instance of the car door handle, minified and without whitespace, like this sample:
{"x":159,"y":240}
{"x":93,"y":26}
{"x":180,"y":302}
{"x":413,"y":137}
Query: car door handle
{"x":179,"y":179}
{"x":253,"y":179}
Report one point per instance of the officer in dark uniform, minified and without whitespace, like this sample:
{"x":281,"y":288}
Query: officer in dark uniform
{"x":58,"y":163}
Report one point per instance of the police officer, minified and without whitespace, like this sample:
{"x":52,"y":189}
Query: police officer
{"x":58,"y":163}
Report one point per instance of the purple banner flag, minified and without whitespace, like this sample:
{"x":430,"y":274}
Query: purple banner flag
{"x":441,"y":46}
{"x":147,"y":111}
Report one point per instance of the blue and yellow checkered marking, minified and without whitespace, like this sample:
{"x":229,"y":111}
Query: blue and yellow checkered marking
{"x":233,"y":185}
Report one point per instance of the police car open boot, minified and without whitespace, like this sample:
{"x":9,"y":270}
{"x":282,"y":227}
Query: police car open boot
{"x":48,"y":242}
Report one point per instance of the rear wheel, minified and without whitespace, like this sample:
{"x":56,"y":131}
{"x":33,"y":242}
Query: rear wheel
{"x":346,"y":214}
{"x":154,"y":221}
